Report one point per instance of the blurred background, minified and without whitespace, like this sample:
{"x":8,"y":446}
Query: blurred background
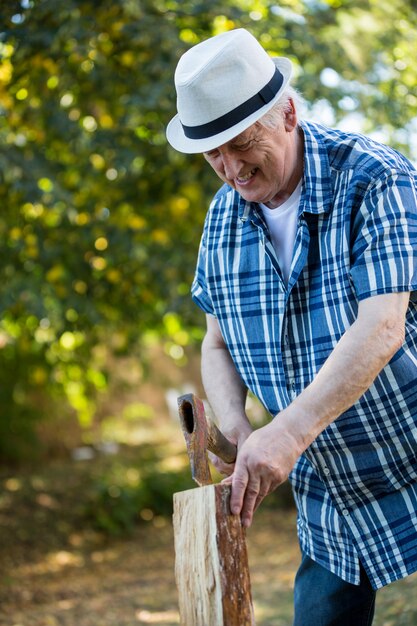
{"x":100,"y":223}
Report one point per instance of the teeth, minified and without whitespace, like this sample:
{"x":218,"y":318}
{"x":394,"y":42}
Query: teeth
{"x":248,"y":175}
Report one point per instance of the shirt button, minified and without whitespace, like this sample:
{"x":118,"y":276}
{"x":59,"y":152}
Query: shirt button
{"x":326,"y":471}
{"x":345,"y":512}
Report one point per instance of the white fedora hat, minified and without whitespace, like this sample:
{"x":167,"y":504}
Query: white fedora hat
{"x":224,"y":85}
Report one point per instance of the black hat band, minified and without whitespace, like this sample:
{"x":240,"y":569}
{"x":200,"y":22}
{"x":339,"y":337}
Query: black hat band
{"x":256,"y":102}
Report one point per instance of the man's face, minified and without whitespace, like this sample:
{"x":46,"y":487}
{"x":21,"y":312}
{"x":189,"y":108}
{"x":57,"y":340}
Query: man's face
{"x":262,"y":164}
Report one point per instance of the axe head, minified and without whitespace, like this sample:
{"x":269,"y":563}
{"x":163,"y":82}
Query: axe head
{"x":194,"y":426}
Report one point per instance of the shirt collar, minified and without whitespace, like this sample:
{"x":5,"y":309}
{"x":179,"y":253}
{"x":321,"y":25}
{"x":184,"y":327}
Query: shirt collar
{"x":244,"y":208}
{"x":317,"y":194}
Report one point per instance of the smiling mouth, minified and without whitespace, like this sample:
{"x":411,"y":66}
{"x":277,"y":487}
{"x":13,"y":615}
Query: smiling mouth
{"x":243,"y":180}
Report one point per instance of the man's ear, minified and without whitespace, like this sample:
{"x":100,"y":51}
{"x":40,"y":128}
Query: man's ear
{"x":290,"y":116}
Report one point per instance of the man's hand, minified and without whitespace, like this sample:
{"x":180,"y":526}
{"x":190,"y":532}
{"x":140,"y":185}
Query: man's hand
{"x":263,"y":463}
{"x":236,"y":436}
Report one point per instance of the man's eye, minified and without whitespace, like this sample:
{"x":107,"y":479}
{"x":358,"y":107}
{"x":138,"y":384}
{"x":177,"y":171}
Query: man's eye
{"x":244,"y":146}
{"x":211,"y":153}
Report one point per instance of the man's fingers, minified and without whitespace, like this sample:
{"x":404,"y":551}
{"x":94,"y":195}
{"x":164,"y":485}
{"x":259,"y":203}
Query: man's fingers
{"x":255,"y":493}
{"x":246,"y":496}
{"x":239,"y":483}
{"x":221,"y":466}
{"x":249,"y":503}
{"x":259,"y":499}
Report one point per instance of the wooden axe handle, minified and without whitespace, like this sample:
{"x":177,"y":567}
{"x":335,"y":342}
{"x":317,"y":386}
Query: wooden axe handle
{"x":201,"y":434}
{"x":219,"y":444}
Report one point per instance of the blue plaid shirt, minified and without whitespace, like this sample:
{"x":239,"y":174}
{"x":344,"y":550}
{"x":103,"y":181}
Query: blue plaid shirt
{"x":356,"y":485}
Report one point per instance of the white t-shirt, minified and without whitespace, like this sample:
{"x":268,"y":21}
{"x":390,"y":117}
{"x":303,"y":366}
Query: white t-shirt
{"x":282,"y":225}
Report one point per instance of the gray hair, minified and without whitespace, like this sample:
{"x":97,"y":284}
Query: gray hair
{"x":276,"y":113}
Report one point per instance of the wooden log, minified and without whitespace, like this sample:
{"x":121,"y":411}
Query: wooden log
{"x":211,"y":562}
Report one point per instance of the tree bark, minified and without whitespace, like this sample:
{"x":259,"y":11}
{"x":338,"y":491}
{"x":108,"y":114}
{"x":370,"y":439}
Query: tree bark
{"x":211,"y":562}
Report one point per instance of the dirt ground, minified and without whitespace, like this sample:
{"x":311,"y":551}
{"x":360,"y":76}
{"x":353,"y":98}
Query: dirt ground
{"x":97,"y":581}
{"x":55,"y":574}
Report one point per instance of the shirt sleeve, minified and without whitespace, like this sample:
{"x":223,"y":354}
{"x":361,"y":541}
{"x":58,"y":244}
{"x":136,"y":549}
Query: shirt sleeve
{"x":384,"y":238}
{"x":199,"y":290}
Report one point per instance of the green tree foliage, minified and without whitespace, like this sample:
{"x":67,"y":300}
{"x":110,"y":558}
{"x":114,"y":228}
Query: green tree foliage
{"x":100,"y":219}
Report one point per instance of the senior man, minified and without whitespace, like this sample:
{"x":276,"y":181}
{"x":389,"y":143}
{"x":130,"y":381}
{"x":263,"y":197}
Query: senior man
{"x":307,"y":272}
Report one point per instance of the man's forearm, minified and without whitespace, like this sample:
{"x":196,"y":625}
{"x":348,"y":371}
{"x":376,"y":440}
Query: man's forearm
{"x":347,"y":374}
{"x":224,"y":388}
{"x":223,"y":385}
{"x":269,"y":454}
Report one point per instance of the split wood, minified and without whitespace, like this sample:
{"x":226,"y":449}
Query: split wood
{"x":211,"y":567}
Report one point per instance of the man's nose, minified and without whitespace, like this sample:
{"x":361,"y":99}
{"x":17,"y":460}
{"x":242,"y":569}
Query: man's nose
{"x":231,"y":165}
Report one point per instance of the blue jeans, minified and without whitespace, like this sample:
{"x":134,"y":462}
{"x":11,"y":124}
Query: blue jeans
{"x":323,"y":599}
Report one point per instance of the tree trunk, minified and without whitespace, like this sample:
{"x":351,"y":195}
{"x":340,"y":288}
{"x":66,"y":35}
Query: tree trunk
{"x":211,"y":563}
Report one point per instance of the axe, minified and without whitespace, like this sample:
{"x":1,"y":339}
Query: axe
{"x":201,"y":434}
{"x":211,"y":561}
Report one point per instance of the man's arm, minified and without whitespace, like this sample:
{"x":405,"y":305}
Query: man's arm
{"x":224,"y":388}
{"x":268,"y":455}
